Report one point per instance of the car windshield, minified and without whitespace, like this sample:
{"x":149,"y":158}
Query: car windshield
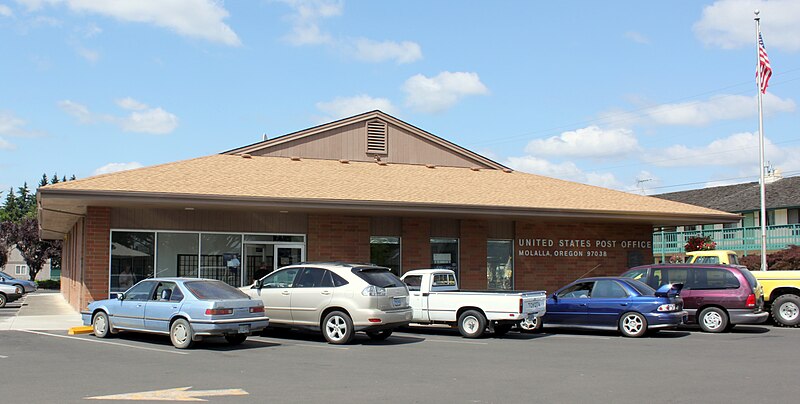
{"x":214,"y":290}
{"x":5,"y":275}
{"x":641,"y":287}
{"x":380,"y":277}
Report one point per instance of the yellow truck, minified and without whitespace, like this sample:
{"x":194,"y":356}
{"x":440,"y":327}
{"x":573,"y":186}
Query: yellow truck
{"x":781,"y":288}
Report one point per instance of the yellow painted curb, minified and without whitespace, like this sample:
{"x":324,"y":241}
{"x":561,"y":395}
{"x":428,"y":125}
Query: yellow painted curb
{"x":86,"y":329}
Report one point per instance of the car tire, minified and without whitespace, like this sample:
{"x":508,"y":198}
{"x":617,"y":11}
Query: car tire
{"x":235,"y":339}
{"x":713,"y":319}
{"x":337,"y":328}
{"x":3,"y":300}
{"x":19,"y":289}
{"x":379,"y":335}
{"x":786,"y":311}
{"x":632,"y":325}
{"x":502,"y":329}
{"x":101,"y":325}
{"x":181,"y":334}
{"x":471,"y":324}
{"x":531,"y":325}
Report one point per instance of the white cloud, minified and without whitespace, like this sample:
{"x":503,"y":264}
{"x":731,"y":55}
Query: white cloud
{"x":729,"y":24}
{"x":6,"y":145}
{"x":737,"y":150}
{"x":717,"y":108}
{"x":5,"y":11}
{"x":306,"y":18}
{"x":374,"y":51}
{"x":88,"y":54}
{"x":11,"y":125}
{"x":565,"y":171}
{"x":116,"y":167}
{"x":637,"y":37}
{"x":435,"y":94}
{"x":142,"y":119}
{"x":591,"y":141}
{"x":342,"y":107}
{"x":193,"y":18}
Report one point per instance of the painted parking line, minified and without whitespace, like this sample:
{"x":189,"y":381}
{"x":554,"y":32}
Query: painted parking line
{"x":3,"y":357}
{"x":281,"y":342}
{"x":97,"y":341}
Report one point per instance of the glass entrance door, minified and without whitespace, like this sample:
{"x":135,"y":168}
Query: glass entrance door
{"x":288,"y":255}
{"x":261,"y":259}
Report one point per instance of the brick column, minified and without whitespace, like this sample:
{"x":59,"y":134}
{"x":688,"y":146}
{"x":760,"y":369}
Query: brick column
{"x":338,"y":238}
{"x":416,"y":243}
{"x":473,"y":254}
{"x":97,"y":245}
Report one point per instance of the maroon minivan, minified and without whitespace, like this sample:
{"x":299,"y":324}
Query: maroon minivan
{"x":717,"y":297}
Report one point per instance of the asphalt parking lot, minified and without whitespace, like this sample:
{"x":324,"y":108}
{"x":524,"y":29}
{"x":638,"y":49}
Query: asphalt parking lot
{"x":749,"y":364}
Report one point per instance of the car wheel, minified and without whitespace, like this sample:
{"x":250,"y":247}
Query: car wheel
{"x":786,"y":310}
{"x":712,"y":319}
{"x":19,"y":289}
{"x":379,"y":335}
{"x":529,"y":325}
{"x":632,"y":325}
{"x":101,"y":325}
{"x":235,"y":339}
{"x":3,"y":300}
{"x":502,"y":329}
{"x":181,"y":333}
{"x":471,"y":324}
{"x":337,"y":328}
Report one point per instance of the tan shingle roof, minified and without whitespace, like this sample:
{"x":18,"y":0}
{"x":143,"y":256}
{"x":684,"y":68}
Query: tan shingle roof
{"x":330,"y":180}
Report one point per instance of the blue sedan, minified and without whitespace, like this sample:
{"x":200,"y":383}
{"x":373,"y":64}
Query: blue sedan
{"x":186,"y":309}
{"x":623,"y":304}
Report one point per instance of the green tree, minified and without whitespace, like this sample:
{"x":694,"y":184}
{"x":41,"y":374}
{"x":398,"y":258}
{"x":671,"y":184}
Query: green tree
{"x":5,"y":245}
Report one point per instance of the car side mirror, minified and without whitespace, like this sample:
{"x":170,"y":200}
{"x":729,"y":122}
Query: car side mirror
{"x":257,"y":284}
{"x":555,"y":297}
{"x":121,"y":296}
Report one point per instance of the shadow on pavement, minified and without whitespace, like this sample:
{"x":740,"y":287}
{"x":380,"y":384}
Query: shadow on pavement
{"x":315,"y":336}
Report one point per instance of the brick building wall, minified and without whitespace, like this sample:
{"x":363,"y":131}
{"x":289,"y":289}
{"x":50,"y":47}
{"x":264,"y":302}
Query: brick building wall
{"x":473,"y":251}
{"x":338,"y":238}
{"x":96,"y":255}
{"x":415,"y":243}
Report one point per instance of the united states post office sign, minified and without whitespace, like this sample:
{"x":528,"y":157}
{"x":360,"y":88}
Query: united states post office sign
{"x":549,"y":247}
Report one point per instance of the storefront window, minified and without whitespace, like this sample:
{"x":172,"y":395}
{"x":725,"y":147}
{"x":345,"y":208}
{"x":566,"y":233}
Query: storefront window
{"x":132,"y":258}
{"x":499,"y":264}
{"x":444,"y":254}
{"x":221,"y":257}
{"x":177,"y":254}
{"x":385,"y":251}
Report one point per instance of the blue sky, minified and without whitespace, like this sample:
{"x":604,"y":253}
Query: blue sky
{"x":651,"y":97}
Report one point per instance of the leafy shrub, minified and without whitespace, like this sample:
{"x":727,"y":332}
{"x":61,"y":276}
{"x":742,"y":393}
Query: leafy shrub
{"x":787,"y":259}
{"x":49,"y":284}
{"x":699,"y":243}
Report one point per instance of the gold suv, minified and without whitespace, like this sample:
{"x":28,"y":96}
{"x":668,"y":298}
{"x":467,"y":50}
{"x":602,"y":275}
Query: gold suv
{"x":338,"y":299}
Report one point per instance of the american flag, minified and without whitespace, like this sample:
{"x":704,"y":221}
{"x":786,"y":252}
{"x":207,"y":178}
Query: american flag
{"x":763,"y":72}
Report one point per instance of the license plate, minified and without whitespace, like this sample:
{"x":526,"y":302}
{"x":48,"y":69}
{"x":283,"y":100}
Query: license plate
{"x":397,"y":301}
{"x":244,"y":328}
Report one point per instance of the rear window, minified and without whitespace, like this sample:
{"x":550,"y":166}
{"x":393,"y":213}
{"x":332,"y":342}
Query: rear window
{"x":214,"y":290}
{"x":380,"y":277}
{"x":640,"y":287}
{"x":750,"y":278}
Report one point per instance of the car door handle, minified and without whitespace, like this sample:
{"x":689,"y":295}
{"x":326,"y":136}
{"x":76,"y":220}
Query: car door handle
{"x":623,"y":304}
{"x":326,"y":292}
{"x":583,"y":305}
{"x":285,"y":293}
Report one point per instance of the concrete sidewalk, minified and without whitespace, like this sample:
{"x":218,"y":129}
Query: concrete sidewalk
{"x":43,"y":310}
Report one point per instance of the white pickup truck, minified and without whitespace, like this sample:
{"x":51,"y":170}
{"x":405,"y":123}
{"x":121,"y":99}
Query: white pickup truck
{"x":435,"y":299}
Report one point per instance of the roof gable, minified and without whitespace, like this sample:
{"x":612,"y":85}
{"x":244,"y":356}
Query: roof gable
{"x":355,"y":138}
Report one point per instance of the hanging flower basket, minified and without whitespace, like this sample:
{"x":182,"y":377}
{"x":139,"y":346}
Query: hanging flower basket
{"x":699,"y":243}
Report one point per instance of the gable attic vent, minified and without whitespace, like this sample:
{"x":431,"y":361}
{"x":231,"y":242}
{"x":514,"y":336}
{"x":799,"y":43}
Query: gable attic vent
{"x":377,"y":137}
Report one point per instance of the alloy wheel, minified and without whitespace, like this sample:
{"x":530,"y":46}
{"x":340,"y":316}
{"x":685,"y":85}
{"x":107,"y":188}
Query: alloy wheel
{"x":632,"y":324}
{"x":712,"y":320}
{"x":336,"y":328}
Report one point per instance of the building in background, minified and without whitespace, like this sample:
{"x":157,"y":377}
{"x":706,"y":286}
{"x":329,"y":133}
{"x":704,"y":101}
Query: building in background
{"x":744,"y":236}
{"x":17,"y":268}
{"x":369,"y":188}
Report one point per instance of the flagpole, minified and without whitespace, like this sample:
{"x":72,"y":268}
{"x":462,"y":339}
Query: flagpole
{"x":763,"y":216}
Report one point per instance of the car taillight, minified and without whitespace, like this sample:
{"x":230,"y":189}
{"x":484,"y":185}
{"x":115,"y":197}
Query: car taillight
{"x":218,"y":312}
{"x":373,"y":291}
{"x":520,"y":305}
{"x":751,"y":300}
{"x":259,"y":309}
{"x":668,"y":307}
